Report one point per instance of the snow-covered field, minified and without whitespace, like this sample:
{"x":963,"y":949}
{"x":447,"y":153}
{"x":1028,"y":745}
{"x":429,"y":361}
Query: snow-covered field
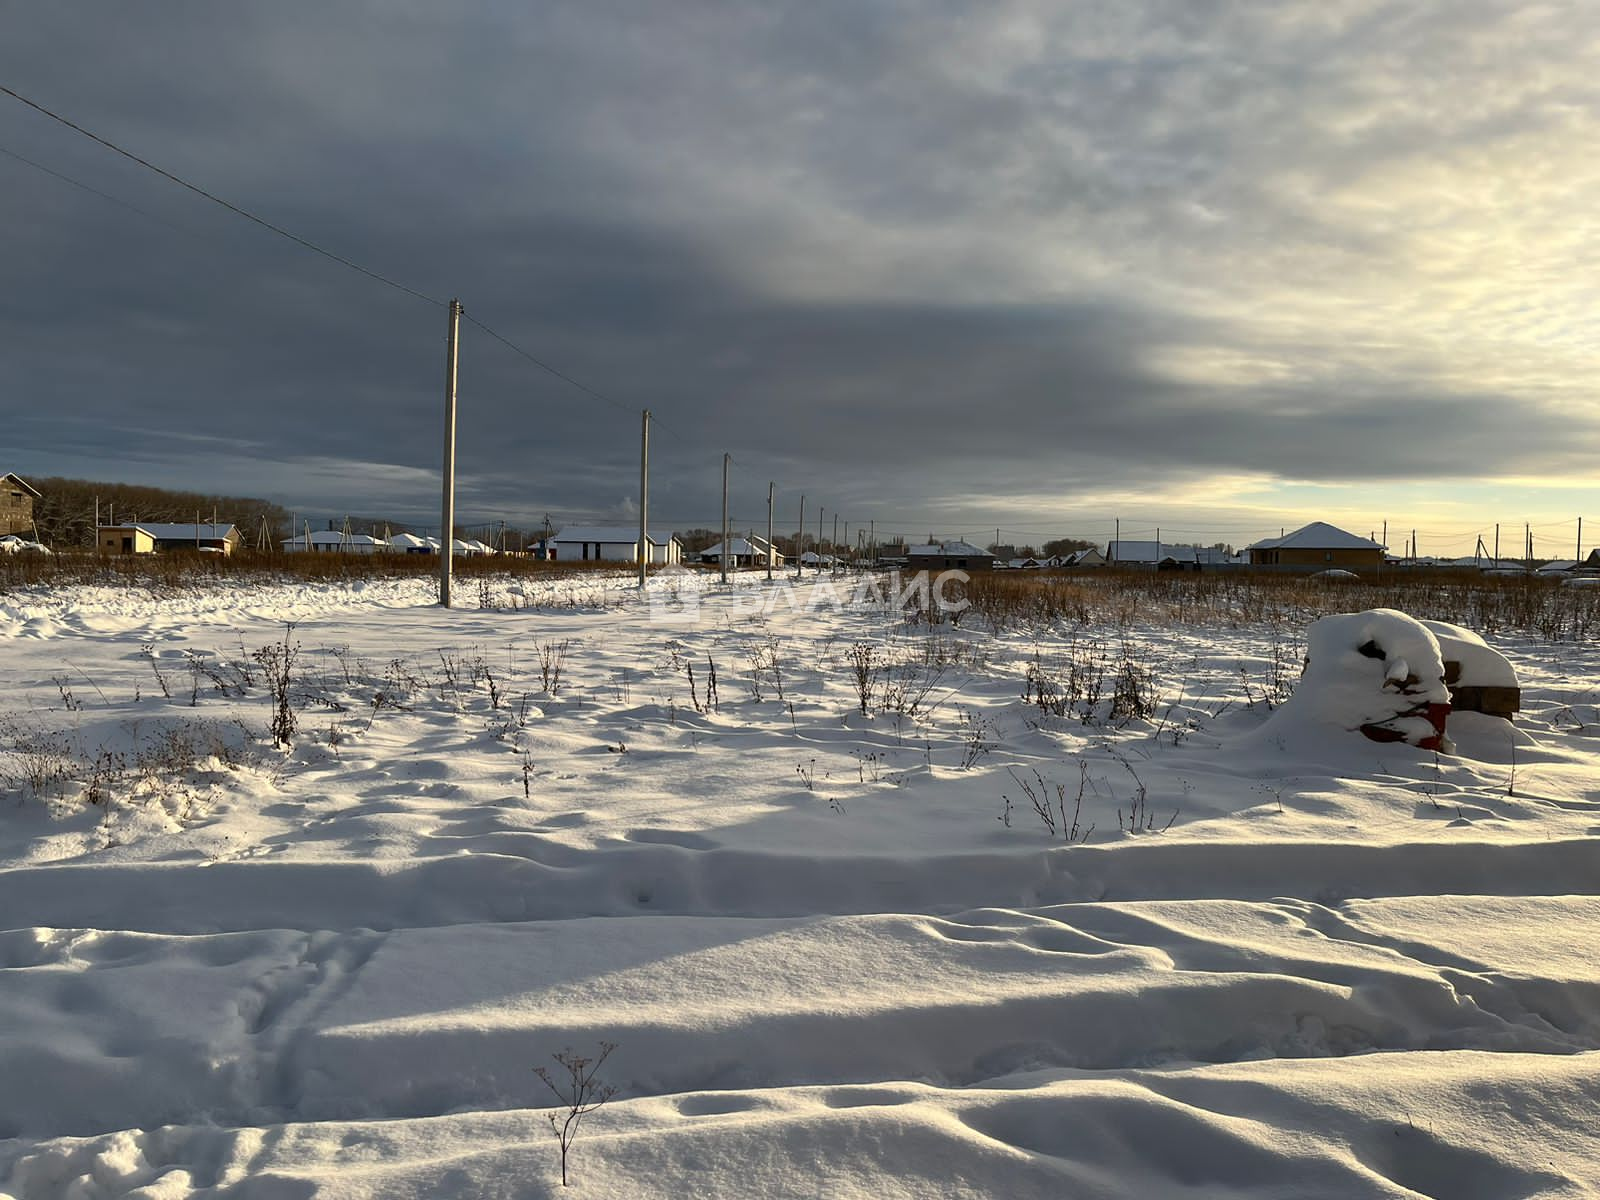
{"x":839,"y":953}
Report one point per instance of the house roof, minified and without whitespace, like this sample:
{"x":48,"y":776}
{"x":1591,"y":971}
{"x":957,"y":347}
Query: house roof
{"x":753,"y":545}
{"x":1318,"y":535}
{"x":955,"y":549}
{"x":1152,"y":552}
{"x":331,"y":537}
{"x":614,"y":534}
{"x":167,"y":532}
{"x":408,"y":539}
{"x":22,"y":483}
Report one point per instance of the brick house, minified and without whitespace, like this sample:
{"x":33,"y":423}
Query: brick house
{"x":1317,"y":547}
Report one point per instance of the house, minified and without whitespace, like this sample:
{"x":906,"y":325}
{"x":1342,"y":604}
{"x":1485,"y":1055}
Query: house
{"x":614,"y":543}
{"x":944,"y":556}
{"x":751,"y":551}
{"x":1024,"y":564}
{"x":1090,"y":557}
{"x":410,"y":543}
{"x":1317,"y":547}
{"x":16,"y":504}
{"x":334,"y":541}
{"x":1160,"y":556}
{"x":149,"y":537}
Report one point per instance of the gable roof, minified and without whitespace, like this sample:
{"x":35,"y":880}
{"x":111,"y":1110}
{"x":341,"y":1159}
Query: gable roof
{"x":168,"y":532}
{"x":753,"y":545}
{"x":1318,"y":535}
{"x":611,"y":535}
{"x":956,"y":549}
{"x":22,"y":483}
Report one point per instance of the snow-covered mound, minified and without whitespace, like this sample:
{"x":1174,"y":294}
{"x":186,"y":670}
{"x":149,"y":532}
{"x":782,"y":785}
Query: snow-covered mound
{"x":1379,"y":672}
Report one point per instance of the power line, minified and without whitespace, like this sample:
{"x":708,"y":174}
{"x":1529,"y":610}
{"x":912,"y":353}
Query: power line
{"x":544,"y":366}
{"x":215,"y":199}
{"x":78,"y":183}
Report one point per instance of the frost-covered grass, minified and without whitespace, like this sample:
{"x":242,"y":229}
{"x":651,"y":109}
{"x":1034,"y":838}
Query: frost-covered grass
{"x":1035,"y":903}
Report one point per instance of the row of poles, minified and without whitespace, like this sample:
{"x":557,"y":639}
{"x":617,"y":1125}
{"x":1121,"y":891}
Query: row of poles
{"x":447,"y":514}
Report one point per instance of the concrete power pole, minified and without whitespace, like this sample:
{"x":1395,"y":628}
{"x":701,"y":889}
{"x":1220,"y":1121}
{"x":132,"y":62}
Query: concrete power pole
{"x":722,"y":559}
{"x":644,"y":495}
{"x":800,"y":537}
{"x":447,"y":515}
{"x":772,"y":552}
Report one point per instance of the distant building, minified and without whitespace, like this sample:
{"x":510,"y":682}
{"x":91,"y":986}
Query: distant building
{"x":16,"y":504}
{"x":947,"y":556}
{"x":1161,"y":556}
{"x":614,"y":543}
{"x":1317,"y":547}
{"x":334,"y":541}
{"x":124,"y":539}
{"x":751,"y":551}
{"x":150,"y":537}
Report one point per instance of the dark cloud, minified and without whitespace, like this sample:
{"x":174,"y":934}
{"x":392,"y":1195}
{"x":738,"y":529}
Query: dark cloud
{"x":912,"y":258}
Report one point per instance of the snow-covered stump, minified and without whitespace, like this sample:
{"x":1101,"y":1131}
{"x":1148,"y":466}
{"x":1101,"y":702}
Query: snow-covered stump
{"x":1379,"y":672}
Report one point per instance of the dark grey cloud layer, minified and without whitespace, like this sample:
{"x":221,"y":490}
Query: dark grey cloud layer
{"x":969,"y":262}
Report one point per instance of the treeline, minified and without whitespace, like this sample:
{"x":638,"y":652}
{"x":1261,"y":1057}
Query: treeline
{"x":65,"y":510}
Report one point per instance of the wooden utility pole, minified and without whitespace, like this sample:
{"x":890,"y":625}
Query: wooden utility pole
{"x":833,"y":567}
{"x":722,"y":559}
{"x":1580,"y":539}
{"x":820,"y":511}
{"x":644,"y":495}
{"x":872,"y":541}
{"x":772,"y":551}
{"x":447,"y":513}
{"x":1497,"y":544}
{"x":800,"y":537}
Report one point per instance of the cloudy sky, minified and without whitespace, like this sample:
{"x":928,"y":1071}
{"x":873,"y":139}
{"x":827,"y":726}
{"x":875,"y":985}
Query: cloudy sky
{"x":1221,"y":268}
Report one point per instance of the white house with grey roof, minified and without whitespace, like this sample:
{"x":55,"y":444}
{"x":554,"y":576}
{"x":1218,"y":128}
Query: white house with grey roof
{"x":614,"y":543}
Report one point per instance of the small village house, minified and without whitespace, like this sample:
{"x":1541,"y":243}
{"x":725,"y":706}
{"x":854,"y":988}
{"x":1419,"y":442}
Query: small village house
{"x":16,"y":505}
{"x":1163,"y":556}
{"x":614,"y":543}
{"x":334,"y":541}
{"x":946,"y":556}
{"x":751,"y":551}
{"x":1317,"y":547}
{"x":150,"y":537}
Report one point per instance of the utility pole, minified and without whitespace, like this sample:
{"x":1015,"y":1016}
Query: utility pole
{"x":722,"y":559}
{"x":820,"y":511}
{"x":1580,"y":539}
{"x":833,"y":567}
{"x":772,"y":551}
{"x":1497,"y":544}
{"x":872,"y":541}
{"x":447,"y":515}
{"x":800,"y":537}
{"x":644,"y":495}
{"x":1116,"y":540}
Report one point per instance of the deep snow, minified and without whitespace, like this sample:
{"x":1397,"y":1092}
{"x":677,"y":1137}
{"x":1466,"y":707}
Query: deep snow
{"x":840,"y":953}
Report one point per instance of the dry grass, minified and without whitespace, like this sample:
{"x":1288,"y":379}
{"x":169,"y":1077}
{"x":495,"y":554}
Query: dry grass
{"x":175,"y":570}
{"x":1488,"y":604}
